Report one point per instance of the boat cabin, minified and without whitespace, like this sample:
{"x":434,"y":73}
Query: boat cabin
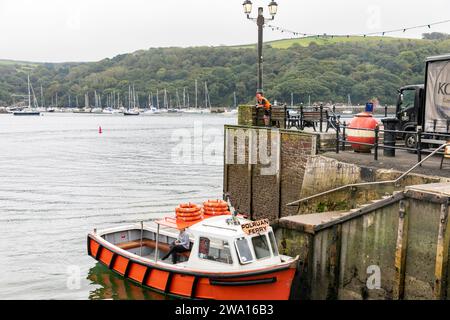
{"x":217,"y":243}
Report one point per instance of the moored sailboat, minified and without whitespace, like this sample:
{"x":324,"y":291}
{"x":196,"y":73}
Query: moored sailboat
{"x":28,"y":111}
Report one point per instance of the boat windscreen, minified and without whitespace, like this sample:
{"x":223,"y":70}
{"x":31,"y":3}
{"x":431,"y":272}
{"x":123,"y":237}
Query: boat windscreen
{"x":215,"y":250}
{"x":244,"y":252}
{"x":261,"y":246}
{"x":273,"y":243}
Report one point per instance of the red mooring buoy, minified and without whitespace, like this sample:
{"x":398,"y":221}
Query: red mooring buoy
{"x":363,"y":120}
{"x":99,"y":129}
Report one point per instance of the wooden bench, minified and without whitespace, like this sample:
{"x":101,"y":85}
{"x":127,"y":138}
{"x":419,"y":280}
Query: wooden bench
{"x":164,"y":247}
{"x":310,"y":119}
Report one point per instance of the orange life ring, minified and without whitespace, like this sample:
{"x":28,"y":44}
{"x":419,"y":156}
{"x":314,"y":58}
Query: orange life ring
{"x":214,"y":212}
{"x":189,"y":214}
{"x":215,"y":204}
{"x":215,"y":208}
{"x":187,"y":208}
{"x":188,"y":205}
{"x":198,"y":217}
{"x":221,"y":213}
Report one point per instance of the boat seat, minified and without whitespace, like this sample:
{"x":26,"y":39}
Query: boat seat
{"x":165,"y":247}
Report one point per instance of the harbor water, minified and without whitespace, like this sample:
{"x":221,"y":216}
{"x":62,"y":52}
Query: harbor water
{"x":60,"y":178}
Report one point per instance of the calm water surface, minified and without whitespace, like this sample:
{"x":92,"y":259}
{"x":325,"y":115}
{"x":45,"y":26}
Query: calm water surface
{"x":60,"y":178}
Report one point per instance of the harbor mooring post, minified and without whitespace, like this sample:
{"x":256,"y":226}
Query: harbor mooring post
{"x":343,"y":136}
{"x":377,"y":134}
{"x":390,"y":136}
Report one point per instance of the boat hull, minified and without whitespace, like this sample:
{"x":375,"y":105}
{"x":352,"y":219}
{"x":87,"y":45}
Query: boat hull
{"x":27,"y":113}
{"x":263,"y":284}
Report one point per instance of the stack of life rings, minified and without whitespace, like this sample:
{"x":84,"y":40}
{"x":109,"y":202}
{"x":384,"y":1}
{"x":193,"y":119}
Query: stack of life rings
{"x":188,"y":212}
{"x":215,"y":208}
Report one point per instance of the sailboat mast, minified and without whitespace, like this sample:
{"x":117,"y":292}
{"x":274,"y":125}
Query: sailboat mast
{"x":178,"y":99}
{"x":196,"y":94}
{"x":42,"y":97}
{"x":129,"y":97}
{"x":206,"y":97}
{"x":188,"y":104}
{"x":165,"y":99}
{"x":157,"y":98}
{"x":29,"y":92}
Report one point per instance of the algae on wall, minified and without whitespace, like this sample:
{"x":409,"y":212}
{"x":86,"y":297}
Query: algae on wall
{"x":344,"y":257}
{"x":322,"y":174}
{"x":421,"y":249}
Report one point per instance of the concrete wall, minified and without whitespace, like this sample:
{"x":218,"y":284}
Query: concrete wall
{"x":339,"y":260}
{"x":323,"y":174}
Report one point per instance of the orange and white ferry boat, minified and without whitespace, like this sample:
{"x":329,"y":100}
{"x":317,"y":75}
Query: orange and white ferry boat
{"x":230,"y":257}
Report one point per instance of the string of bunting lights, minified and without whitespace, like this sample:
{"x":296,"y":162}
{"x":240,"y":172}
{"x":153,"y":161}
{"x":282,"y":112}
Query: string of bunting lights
{"x":326,"y":35}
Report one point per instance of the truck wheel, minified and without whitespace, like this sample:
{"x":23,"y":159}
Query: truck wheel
{"x":410,"y":141}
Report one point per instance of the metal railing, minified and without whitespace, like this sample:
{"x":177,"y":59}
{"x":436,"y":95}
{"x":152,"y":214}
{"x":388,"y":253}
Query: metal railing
{"x":326,"y":115}
{"x":354,"y":185}
{"x":419,"y":136}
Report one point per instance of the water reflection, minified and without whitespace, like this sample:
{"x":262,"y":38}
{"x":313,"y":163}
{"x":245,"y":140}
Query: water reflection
{"x":114,"y":287}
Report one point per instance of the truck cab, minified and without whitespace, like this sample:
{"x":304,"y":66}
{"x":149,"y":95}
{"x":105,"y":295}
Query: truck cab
{"x":409,"y":111}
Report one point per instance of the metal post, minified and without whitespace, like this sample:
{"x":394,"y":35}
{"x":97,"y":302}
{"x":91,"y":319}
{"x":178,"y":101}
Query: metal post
{"x":321,"y":116}
{"x":343,"y":136}
{"x":377,"y":131}
{"x":260,"y":22}
{"x":157,"y":243}
{"x":385,"y":110}
{"x":142,"y":233}
{"x":301,"y":118}
{"x":419,"y":144}
{"x":337,"y":137}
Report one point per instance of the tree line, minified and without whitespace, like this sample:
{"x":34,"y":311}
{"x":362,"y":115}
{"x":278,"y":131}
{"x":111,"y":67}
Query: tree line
{"x":320,"y":73}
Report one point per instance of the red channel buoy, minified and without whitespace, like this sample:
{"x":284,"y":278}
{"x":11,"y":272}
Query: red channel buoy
{"x":100,"y":129}
{"x":363,"y":120}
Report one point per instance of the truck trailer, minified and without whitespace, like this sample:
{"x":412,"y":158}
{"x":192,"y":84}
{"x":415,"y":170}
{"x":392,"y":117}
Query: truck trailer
{"x":426,"y":106}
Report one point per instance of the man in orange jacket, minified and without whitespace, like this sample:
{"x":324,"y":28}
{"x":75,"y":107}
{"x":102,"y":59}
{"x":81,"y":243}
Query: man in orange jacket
{"x":262,"y":102}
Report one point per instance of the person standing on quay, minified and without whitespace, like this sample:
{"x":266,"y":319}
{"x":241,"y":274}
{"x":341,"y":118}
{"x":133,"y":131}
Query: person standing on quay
{"x":262,"y":102}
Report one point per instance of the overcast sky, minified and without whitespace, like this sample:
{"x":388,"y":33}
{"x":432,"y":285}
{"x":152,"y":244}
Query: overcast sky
{"x":90,"y":30}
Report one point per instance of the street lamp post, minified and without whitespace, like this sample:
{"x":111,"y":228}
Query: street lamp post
{"x":260,"y":21}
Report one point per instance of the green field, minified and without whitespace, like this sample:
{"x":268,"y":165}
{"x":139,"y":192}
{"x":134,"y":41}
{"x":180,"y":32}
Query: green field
{"x":306,"y":41}
{"x":4,"y":62}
